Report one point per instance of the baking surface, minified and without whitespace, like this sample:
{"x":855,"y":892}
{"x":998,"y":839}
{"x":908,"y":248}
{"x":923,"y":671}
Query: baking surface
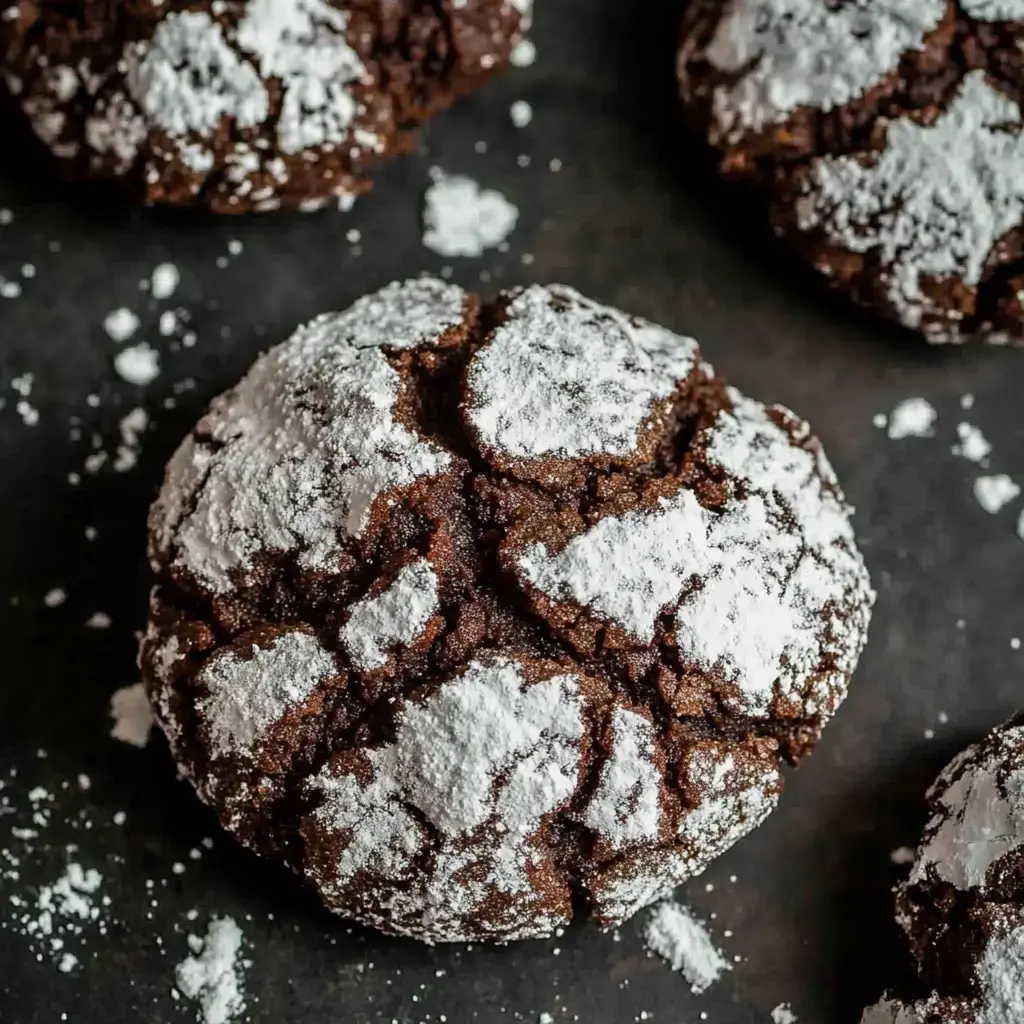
{"x":631,"y":218}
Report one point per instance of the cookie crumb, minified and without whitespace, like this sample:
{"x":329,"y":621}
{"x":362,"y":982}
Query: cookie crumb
{"x":121,"y":324}
{"x":913,"y":417}
{"x":994,"y":493}
{"x":462,"y":219}
{"x":679,"y":938}
{"x":129,"y":708}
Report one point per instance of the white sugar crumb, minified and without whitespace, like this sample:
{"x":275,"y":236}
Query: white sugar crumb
{"x":121,"y":324}
{"x":783,"y":1014}
{"x":164,"y":281}
{"x":994,"y":493}
{"x":902,"y":855}
{"x":133,"y":718}
{"x":395,"y":616}
{"x":131,"y":427}
{"x":212,"y":976}
{"x":972,"y":444}
{"x":139,"y":364}
{"x":521,"y":113}
{"x":679,"y":938}
{"x":780,"y":55}
{"x":55,"y":597}
{"x":545,"y":1018}
{"x":462,"y":219}
{"x":913,"y":417}
{"x":524,"y":53}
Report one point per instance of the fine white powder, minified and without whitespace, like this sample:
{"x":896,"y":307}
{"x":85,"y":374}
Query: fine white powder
{"x":626,"y":806}
{"x":121,"y":324}
{"x":304,"y":446}
{"x":212,"y":976}
{"x":995,"y":492}
{"x":783,"y":1014}
{"x":138,"y":364}
{"x":793,"y":53}
{"x":566,"y":376}
{"x":395,"y":616}
{"x":972,"y":444}
{"x":246,"y":696}
{"x":133,"y":719}
{"x":164,"y":281}
{"x":462,"y":219}
{"x":913,"y":417}
{"x":678,"y":937}
{"x":935,"y":201}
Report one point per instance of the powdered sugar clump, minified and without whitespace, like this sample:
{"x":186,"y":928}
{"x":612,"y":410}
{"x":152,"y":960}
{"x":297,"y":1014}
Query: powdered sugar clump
{"x":676,"y":935}
{"x":298,"y":453}
{"x":246,"y":696}
{"x":395,"y":616}
{"x":121,"y":324}
{"x":212,"y":975}
{"x":783,"y":1014}
{"x":794,"y":53}
{"x":934,"y":202}
{"x":913,"y":417}
{"x":566,"y":376}
{"x":138,"y":364}
{"x":971,"y":444}
{"x":462,"y":219}
{"x":133,"y":719}
{"x":994,"y":493}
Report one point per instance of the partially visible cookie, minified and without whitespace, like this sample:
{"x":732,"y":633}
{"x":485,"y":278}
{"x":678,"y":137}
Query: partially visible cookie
{"x":888,"y":137}
{"x":248,"y":104}
{"x":963,"y":905}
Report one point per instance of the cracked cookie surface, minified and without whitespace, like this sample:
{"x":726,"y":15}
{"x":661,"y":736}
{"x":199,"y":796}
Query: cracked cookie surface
{"x":888,"y":139}
{"x":244,"y":104}
{"x":479,"y":615}
{"x":963,"y":906}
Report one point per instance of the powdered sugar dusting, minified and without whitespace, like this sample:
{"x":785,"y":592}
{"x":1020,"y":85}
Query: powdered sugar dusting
{"x":395,"y":616}
{"x":298,"y":454}
{"x":246,"y":696}
{"x":1001,"y":977}
{"x":462,"y":219}
{"x":626,"y":806}
{"x":212,"y":975}
{"x":676,"y":935}
{"x":934,"y":202}
{"x":566,"y":376}
{"x":795,"y":53}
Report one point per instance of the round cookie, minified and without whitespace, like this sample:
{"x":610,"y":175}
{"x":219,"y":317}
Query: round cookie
{"x":888,"y":137}
{"x":247,"y":104}
{"x":963,"y":905}
{"x":473,"y":614}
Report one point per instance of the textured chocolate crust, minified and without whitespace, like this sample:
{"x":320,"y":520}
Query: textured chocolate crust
{"x":887,"y":138}
{"x":963,"y":905}
{"x":243,"y":105}
{"x":477,"y":615}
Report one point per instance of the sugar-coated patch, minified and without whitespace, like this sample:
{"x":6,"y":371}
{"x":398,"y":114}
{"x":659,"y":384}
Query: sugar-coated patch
{"x":565,"y":376}
{"x":245,"y":696}
{"x":1000,"y":975}
{"x":789,"y":54}
{"x":934,"y":202}
{"x":679,"y":938}
{"x":295,"y":456}
{"x":462,"y":219}
{"x":626,"y":806}
{"x":486,"y":749}
{"x":395,"y":616}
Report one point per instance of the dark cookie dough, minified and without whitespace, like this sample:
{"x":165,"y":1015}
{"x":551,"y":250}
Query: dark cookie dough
{"x":473,"y":614}
{"x":963,"y":906}
{"x":244,"y":105}
{"x":888,"y":138}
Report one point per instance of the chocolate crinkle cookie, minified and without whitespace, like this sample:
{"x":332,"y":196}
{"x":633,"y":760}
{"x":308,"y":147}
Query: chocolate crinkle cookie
{"x":474,"y":615}
{"x":244,"y":104}
{"x":889,"y":137}
{"x":963,"y":906}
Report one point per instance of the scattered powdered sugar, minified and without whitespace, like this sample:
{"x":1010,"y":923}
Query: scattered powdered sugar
{"x":55,"y":598}
{"x":982,"y":820}
{"x":212,"y":975}
{"x":678,"y":937}
{"x":298,"y":452}
{"x":566,"y":376}
{"x":903,"y":856}
{"x":972,"y":444}
{"x":913,"y":417}
{"x":131,"y":427}
{"x":794,"y":53}
{"x":138,"y":364}
{"x":934,"y":202}
{"x":783,"y":1014}
{"x":462,"y":219}
{"x":133,"y":718}
{"x":512,"y":756}
{"x":395,"y":616}
{"x":246,"y":696}
{"x":626,"y":806}
{"x":121,"y":324}
{"x":164,"y":281}
{"x":995,"y":492}
{"x":521,"y":113}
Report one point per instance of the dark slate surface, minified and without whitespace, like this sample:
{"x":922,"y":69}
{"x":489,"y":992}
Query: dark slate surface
{"x":631,"y":218}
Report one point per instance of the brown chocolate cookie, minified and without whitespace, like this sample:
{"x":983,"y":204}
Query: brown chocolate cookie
{"x":244,"y":104}
{"x":963,"y":906}
{"x":888,"y":138}
{"x":473,"y":614}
